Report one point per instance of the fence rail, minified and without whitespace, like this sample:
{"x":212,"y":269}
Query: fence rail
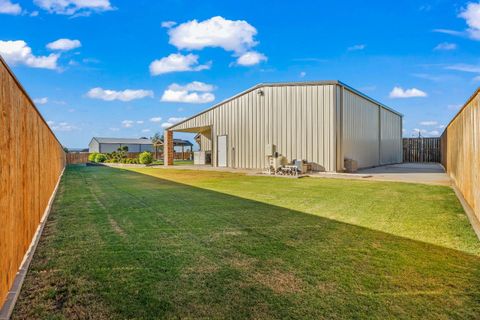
{"x":26,"y":182}
{"x":461,"y":151}
{"x":422,"y":150}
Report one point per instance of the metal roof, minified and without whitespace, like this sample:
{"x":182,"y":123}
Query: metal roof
{"x":177,"y":142}
{"x":283,"y":84}
{"x":123,"y":140}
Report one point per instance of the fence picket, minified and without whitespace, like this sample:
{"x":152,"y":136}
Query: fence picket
{"x":422,"y":150}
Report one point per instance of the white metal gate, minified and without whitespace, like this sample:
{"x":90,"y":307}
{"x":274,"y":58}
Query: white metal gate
{"x":222,"y":151}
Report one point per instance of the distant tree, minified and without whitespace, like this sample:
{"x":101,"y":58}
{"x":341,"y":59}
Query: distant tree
{"x":157,"y":141}
{"x":65,"y":149}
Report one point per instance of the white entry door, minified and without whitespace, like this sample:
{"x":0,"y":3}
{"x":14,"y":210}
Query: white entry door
{"x":222,"y":151}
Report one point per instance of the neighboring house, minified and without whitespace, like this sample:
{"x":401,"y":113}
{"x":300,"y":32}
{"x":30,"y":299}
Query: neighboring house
{"x":107,"y":145}
{"x":322,"y":122}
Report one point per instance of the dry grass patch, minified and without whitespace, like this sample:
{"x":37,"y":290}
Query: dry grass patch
{"x":280,"y":282}
{"x":118,"y":230}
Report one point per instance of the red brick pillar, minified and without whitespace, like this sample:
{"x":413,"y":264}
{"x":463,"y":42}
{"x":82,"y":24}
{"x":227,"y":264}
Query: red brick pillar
{"x":168,"y":148}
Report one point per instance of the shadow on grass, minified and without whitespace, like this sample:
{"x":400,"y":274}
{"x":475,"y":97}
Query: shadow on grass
{"x":121,"y":244}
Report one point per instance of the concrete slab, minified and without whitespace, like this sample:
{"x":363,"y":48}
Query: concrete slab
{"x":426,"y":173}
{"x":429,"y":173}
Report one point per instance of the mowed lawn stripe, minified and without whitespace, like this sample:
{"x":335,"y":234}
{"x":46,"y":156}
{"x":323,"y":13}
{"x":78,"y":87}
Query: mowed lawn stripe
{"x":185,"y":244}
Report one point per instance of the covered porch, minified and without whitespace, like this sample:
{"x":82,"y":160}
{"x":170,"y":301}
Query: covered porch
{"x":203,"y":137}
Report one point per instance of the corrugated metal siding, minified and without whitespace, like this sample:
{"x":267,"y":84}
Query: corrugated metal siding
{"x":372,"y":135}
{"x":360,"y":130}
{"x":107,"y":147}
{"x":205,"y":141}
{"x":391,"y":143}
{"x":93,"y":146}
{"x":298,"y":120}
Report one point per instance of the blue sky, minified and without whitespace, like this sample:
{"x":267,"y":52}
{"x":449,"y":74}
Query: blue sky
{"x":120,"y":68}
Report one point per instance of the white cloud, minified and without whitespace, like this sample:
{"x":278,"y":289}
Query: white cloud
{"x":64,"y":44}
{"x":125,"y":95}
{"x":424,"y":132}
{"x":450,"y":32}
{"x":251,"y":58}
{"x":186,"y":97}
{"x":7,"y":7}
{"x":193,"y":86}
{"x":43,"y":100}
{"x":50,"y":122}
{"x":156,"y":119}
{"x":237,"y":36}
{"x":417,"y":131}
{"x":62,"y":126}
{"x":471,"y":14}
{"x":18,"y":52}
{"x":302,"y":74}
{"x":139,"y":121}
{"x":189,"y":93}
{"x":168,"y":24}
{"x":429,"y":123}
{"x":171,"y":122}
{"x":176,"y":119}
{"x":114,"y":129}
{"x":127,"y":123}
{"x":177,"y":62}
{"x":476,"y":79}
{"x":445,"y":46}
{"x":77,"y":7}
{"x":398,"y":92}
{"x":464,"y":67}
{"x":146,"y":130}
{"x":357,"y":47}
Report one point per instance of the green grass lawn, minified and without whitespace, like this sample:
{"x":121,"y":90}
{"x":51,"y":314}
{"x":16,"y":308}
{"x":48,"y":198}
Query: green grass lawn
{"x":155,"y":243}
{"x":176,"y":162}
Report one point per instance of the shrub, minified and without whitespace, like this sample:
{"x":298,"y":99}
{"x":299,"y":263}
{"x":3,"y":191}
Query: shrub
{"x":145,"y":157}
{"x":92,"y":156}
{"x":133,"y":161}
{"x":100,"y":157}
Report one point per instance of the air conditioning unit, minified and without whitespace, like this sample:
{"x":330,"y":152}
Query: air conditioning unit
{"x":269,"y":150}
{"x":199,"y":158}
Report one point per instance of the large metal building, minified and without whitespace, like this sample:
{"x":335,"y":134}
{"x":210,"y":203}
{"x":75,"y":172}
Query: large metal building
{"x":322,"y":122}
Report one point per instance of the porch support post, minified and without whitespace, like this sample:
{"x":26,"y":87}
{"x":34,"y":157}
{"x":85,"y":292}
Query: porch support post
{"x":168,"y":148}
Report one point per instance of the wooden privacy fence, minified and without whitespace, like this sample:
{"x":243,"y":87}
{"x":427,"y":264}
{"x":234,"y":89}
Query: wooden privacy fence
{"x":77,"y":157}
{"x":461,"y":151}
{"x":26,"y":182}
{"x":421,"y":150}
